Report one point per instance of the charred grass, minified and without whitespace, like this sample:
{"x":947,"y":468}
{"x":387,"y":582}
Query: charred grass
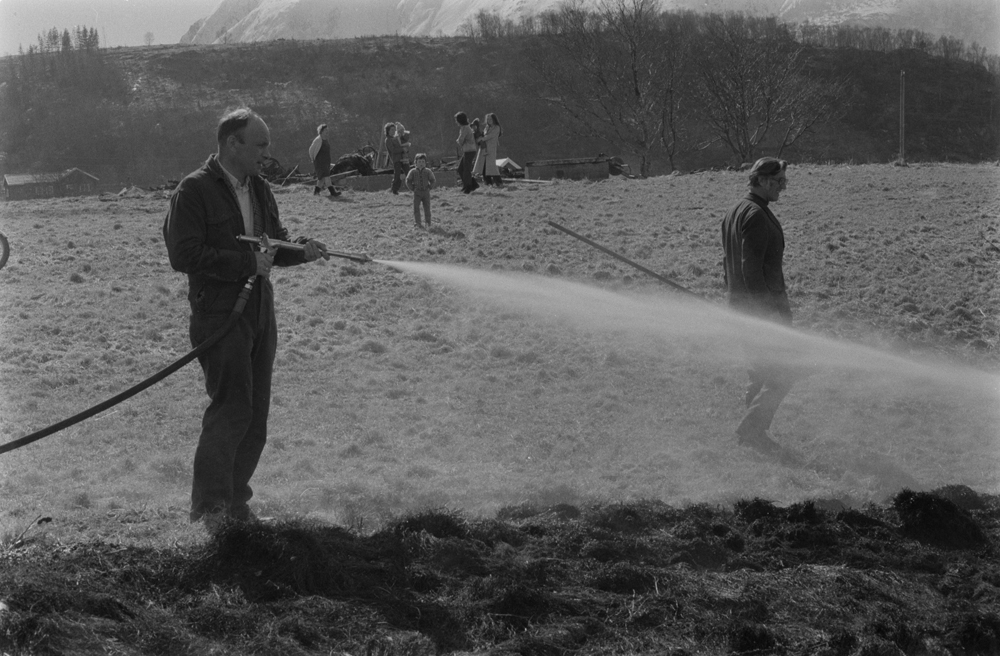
{"x":917,"y":575}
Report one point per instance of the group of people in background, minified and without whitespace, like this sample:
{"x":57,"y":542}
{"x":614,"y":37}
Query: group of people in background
{"x":419,"y":180}
{"x":476,"y":148}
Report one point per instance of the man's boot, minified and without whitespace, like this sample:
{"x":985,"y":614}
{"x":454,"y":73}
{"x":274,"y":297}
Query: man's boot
{"x":333,"y":191}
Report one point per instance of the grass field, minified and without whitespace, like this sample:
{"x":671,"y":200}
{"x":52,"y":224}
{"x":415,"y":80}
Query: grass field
{"x":494,"y":362}
{"x":397,"y":391}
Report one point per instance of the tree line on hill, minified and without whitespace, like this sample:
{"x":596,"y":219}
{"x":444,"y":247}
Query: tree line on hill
{"x":57,"y":99}
{"x":668,"y":89}
{"x":489,"y":25}
{"x":648,"y":79}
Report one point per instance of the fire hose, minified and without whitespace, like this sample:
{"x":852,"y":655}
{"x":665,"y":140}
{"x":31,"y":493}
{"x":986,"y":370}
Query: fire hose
{"x":241,"y":302}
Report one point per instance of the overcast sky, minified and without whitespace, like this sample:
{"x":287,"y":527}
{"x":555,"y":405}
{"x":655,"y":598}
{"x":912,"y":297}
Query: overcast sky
{"x":120,"y":22}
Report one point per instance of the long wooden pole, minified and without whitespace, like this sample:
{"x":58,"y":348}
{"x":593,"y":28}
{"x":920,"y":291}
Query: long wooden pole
{"x":902,"y":117}
{"x":624,"y":259}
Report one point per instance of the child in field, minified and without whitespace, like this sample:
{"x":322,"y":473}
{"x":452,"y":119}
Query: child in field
{"x":420,"y":180}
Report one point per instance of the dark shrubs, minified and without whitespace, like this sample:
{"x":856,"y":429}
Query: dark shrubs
{"x":937,"y":521}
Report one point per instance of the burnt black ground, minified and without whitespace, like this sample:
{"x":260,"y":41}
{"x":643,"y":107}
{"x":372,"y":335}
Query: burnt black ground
{"x":917,"y":575}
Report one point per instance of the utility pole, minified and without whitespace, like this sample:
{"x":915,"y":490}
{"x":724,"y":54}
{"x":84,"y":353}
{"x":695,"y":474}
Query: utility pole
{"x":902,"y":118}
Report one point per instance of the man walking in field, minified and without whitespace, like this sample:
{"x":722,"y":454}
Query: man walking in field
{"x":210,"y":208}
{"x":754,"y":246}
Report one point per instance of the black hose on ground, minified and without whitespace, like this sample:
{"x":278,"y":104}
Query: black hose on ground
{"x":149,"y":382}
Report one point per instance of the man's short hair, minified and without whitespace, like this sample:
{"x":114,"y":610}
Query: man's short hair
{"x":766,"y":167}
{"x":422,"y":156}
{"x":462,"y":118}
{"x":233,"y":123}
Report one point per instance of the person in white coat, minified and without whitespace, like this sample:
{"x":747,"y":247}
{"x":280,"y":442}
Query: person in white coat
{"x":486,"y":160}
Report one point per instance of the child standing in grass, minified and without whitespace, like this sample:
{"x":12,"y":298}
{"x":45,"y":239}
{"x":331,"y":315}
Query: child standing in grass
{"x":420,"y":180}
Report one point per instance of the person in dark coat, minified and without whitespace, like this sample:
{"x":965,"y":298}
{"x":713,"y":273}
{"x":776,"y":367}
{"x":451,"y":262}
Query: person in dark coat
{"x":319,"y":153}
{"x":209,"y":209}
{"x":754,"y":246}
{"x":466,"y":148}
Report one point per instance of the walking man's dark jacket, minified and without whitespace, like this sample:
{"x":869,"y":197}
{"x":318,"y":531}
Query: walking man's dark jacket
{"x":754,"y":245}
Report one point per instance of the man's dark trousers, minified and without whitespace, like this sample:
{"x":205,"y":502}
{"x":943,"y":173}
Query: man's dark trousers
{"x":769,"y":384}
{"x":234,"y":428}
{"x":770,"y":379}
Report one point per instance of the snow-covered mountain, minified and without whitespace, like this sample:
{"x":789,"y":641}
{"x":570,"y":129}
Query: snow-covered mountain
{"x":969,"y":20}
{"x":236,"y":21}
{"x":261,"y":20}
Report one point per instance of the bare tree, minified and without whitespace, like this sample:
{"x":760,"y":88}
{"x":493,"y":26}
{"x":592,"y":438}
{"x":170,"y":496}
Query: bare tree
{"x":148,"y":38}
{"x":752,"y":82}
{"x":611,"y":70}
{"x":675,"y":85}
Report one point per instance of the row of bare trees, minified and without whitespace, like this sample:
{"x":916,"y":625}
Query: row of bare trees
{"x":657,"y":82}
{"x":883,"y":39}
{"x":489,"y":25}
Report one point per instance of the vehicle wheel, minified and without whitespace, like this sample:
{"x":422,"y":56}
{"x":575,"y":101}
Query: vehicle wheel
{"x":4,"y":250}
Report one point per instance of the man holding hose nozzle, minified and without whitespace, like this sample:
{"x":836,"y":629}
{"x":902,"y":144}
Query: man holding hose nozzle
{"x":210,"y":208}
{"x":754,"y":246}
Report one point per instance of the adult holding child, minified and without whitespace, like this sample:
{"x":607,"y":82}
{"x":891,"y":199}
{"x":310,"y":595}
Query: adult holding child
{"x":486,"y":160}
{"x":397,"y":145}
{"x":465,"y":148}
{"x":319,"y":154}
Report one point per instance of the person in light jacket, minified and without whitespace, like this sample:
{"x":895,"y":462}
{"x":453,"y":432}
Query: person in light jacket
{"x":486,"y":160}
{"x":466,"y":149}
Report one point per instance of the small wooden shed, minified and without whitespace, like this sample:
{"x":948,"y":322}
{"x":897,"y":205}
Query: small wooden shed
{"x":71,"y":182}
{"x":509,"y":168}
{"x":588,"y":168}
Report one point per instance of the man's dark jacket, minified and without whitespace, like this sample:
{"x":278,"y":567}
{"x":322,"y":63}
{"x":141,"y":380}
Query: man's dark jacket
{"x":754,"y":246}
{"x":200,"y":230}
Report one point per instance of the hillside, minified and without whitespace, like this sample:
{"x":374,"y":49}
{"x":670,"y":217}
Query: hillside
{"x":149,"y":116}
